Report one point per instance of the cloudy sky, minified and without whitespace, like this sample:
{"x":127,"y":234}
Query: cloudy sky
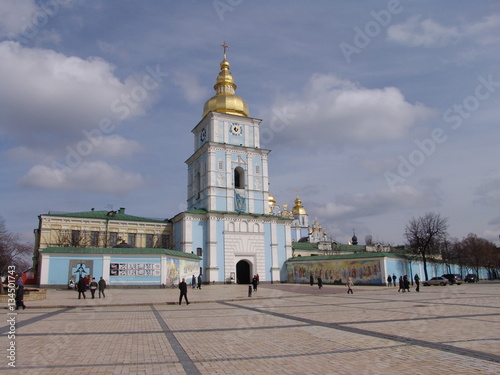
{"x":375,"y":112}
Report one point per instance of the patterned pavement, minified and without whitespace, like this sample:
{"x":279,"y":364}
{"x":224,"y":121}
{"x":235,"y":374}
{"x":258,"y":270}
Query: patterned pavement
{"x":281,"y":329}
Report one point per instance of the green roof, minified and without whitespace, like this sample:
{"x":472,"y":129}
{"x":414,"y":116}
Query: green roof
{"x":346,"y":256}
{"x":117,"y":251}
{"x":308,"y":246}
{"x":202,"y":212}
{"x":106,"y":215}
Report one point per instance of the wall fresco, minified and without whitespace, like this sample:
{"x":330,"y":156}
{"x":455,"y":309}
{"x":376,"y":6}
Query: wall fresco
{"x":336,"y":271}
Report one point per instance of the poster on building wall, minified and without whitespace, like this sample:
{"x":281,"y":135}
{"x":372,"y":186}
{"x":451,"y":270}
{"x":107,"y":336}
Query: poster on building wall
{"x":336,"y":271}
{"x":189,"y":268}
{"x":80,"y":269}
{"x":134,"y":269}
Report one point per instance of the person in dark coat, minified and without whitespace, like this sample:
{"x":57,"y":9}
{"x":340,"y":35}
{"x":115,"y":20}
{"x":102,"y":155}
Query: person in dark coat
{"x":183,"y":291}
{"x":81,"y":287}
{"x":199,"y":282}
{"x":93,"y":287}
{"x":193,"y":282}
{"x":389,"y":280}
{"x":255,"y":282}
{"x":417,"y":282}
{"x":406,"y":283}
{"x":311,"y":279}
{"x":394,"y":278}
{"x":20,"y":295}
{"x":320,"y":282}
{"x":102,"y":286}
{"x":401,"y":284}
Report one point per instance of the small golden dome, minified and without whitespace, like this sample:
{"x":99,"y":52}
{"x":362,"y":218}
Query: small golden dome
{"x":298,"y":209}
{"x":225,"y":100}
{"x":272,"y":200}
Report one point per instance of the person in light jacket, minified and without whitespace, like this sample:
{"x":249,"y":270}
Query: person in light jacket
{"x":349,"y":285}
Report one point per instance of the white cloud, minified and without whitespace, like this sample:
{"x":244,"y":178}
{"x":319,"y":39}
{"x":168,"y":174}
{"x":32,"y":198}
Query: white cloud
{"x":359,"y":205}
{"x":192,"y":91}
{"x":430,"y":34}
{"x":65,"y":94}
{"x":334,"y":111}
{"x":425,"y":33}
{"x":95,"y":177}
{"x":15,"y":16}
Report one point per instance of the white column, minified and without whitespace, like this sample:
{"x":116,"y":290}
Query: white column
{"x":44,"y":269}
{"x":275,"y":268}
{"x":212,"y":269}
{"x":106,"y":260}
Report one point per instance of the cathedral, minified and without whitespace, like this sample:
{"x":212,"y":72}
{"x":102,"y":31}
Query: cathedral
{"x":231,"y":230}
{"x":228,"y":221}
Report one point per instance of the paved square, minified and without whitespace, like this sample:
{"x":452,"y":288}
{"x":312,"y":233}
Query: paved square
{"x":281,"y":329}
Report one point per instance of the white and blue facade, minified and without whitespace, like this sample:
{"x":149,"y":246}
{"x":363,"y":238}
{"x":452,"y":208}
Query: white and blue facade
{"x":227,"y":221}
{"x":118,"y":266}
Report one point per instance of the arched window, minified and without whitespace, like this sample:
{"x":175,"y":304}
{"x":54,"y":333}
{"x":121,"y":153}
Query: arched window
{"x":239,"y":178}
{"x":198,"y":185}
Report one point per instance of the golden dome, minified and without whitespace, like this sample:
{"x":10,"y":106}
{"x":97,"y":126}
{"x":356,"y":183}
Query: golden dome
{"x":298,"y":209}
{"x":225,"y":100}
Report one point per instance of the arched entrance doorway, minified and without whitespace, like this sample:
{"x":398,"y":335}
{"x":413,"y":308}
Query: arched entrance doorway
{"x":243,"y":272}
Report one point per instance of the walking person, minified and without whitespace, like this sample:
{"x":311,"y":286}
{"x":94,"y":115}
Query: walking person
{"x":102,"y":286}
{"x":193,"y":282}
{"x":20,"y":294}
{"x":183,"y":291}
{"x":81,"y":287}
{"x":401,"y":285}
{"x":389,"y":280}
{"x":199,"y":282}
{"x":349,"y":285}
{"x":320,"y":282}
{"x":406,"y":283}
{"x":311,"y":279}
{"x":394,"y":278}
{"x":93,"y":287}
{"x":255,"y":282}
{"x":417,"y":283}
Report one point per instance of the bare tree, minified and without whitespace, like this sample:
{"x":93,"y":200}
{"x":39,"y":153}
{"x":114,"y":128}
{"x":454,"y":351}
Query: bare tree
{"x":368,"y":240}
{"x":425,"y":234}
{"x":12,"y":252}
{"x":479,"y":252}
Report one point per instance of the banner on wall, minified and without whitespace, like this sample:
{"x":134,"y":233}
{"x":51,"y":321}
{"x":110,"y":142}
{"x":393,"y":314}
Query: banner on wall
{"x":336,"y":271}
{"x":79,"y":269}
{"x":134,"y":269}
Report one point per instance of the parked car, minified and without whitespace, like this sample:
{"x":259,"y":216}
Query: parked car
{"x":453,"y":278}
{"x":438,"y":280}
{"x":471,"y":278}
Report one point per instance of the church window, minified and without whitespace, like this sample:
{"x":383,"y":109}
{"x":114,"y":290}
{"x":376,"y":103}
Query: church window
{"x":75,"y":238}
{"x":239,"y":178}
{"x":199,"y":251}
{"x":131,"y":239}
{"x":221,"y":165}
{"x":113,"y":238}
{"x":164,"y":241}
{"x":149,"y":240}
{"x":198,"y":185}
{"x":257,"y":169}
{"x":94,"y":238}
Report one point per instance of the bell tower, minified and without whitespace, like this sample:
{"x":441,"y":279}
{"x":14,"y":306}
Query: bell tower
{"x":228,"y":170}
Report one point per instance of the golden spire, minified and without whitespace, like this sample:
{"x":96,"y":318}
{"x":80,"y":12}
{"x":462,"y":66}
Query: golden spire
{"x":298,"y":209}
{"x":225,"y":100}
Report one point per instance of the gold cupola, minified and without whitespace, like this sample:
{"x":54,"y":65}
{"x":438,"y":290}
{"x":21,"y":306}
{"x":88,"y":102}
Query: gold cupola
{"x":225,"y":100}
{"x":298,"y":209}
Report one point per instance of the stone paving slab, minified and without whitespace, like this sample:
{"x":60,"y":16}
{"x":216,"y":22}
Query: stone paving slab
{"x":281,"y":329}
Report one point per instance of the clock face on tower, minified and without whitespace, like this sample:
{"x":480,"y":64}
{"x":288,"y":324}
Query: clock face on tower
{"x":203,"y":134}
{"x":236,"y":129}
